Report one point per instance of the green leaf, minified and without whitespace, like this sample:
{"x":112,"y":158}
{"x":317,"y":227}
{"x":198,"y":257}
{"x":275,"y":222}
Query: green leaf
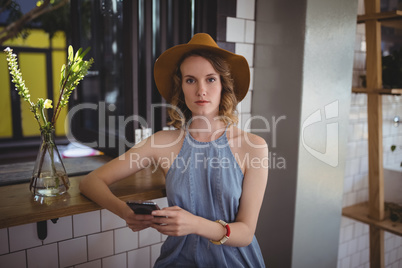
{"x":77,"y":54}
{"x":85,"y":52}
{"x":70,"y":53}
{"x":393,"y":147}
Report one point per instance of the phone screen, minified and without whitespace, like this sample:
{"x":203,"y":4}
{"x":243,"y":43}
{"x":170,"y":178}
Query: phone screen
{"x":142,"y":207}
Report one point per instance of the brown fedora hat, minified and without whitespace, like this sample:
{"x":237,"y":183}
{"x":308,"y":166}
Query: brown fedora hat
{"x":166,"y":64}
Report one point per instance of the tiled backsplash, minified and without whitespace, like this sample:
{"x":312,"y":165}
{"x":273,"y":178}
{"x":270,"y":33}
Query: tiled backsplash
{"x":241,"y":31}
{"x":354,"y":237}
{"x":93,"y":239}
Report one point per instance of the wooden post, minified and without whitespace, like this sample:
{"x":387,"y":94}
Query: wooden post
{"x":374,"y":118}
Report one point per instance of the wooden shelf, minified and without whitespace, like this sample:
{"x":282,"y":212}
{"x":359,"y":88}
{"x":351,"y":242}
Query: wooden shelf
{"x":382,"y":91}
{"x":359,"y":212}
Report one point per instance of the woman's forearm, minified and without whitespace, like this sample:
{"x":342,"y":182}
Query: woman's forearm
{"x":241,"y":234}
{"x":99,"y":192}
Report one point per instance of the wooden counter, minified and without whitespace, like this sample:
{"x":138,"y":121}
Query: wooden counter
{"x":19,"y":206}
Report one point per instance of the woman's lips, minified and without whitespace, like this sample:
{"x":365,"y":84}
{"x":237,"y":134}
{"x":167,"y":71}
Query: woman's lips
{"x":202,"y":102}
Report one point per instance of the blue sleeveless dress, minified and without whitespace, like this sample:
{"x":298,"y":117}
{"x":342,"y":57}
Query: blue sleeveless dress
{"x":206,"y":180}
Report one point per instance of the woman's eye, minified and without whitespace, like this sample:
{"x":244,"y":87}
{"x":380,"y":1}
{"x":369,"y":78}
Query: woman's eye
{"x":212,"y":79}
{"x":190,"y":81}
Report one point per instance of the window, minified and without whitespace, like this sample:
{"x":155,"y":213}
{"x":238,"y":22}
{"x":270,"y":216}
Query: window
{"x":126,"y":37}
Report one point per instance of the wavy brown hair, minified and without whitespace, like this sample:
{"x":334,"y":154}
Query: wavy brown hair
{"x":179,"y":112}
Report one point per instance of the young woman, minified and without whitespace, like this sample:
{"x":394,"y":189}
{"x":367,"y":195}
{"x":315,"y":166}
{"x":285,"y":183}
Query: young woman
{"x":216,"y":173}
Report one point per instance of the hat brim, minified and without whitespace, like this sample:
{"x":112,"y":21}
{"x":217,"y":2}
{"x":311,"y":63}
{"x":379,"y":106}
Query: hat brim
{"x":166,"y":64}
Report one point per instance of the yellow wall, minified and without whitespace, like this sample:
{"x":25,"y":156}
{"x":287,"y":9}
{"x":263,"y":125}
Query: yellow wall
{"x":33,"y":68}
{"x":5,"y":100}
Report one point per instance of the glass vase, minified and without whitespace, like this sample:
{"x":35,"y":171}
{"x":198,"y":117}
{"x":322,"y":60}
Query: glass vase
{"x":49,"y":177}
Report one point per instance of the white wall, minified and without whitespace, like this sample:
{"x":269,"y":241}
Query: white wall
{"x":241,"y":31}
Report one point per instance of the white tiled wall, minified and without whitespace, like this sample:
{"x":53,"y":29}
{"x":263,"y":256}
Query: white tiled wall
{"x":354,"y":237}
{"x":93,"y":239}
{"x":241,"y":31}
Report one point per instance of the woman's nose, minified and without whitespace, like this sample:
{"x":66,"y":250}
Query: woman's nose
{"x":201,"y":91}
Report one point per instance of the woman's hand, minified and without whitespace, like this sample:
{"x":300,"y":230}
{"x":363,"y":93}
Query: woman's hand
{"x":174,"y":221}
{"x":137,"y":222}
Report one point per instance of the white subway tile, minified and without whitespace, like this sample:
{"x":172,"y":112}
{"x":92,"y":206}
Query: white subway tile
{"x":358,"y":229}
{"x":345,"y":221}
{"x":238,"y":108}
{"x":348,"y":232}
{"x":389,"y":242}
{"x":164,"y":237}
{"x":358,"y":131}
{"x":3,"y":241}
{"x":247,"y":51}
{"x":251,"y":78}
{"x":363,"y":243}
{"x":250,"y":32}
{"x":73,"y":251}
{"x":363,"y":113}
{"x":365,"y":256}
{"x":100,"y":245}
{"x":345,"y":263}
{"x":351,"y":150}
{"x":348,"y":184}
{"x":111,"y":221}
{"x":352,"y":246}
{"x":44,"y":256}
{"x":393,"y":255}
{"x":148,"y":237}
{"x":155,"y":252}
{"x":362,"y":148}
{"x":361,"y":99}
{"x":359,"y":59}
{"x":246,"y":103}
{"x":139,"y":258}
{"x":91,"y":264}
{"x":14,"y":260}
{"x":61,"y":230}
{"x":352,"y":167}
{"x":342,"y":252}
{"x":398,"y":242}
{"x":350,"y":199}
{"x":386,"y":259}
{"x":362,"y":196}
{"x":245,"y":9}
{"x":358,"y":182}
{"x":355,"y":259}
{"x":162,"y":202}
{"x":86,"y":223}
{"x":235,"y":29}
{"x":23,"y":237}
{"x":115,"y":261}
{"x":125,"y":239}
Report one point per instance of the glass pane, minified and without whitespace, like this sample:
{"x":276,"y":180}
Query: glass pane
{"x":101,"y":28}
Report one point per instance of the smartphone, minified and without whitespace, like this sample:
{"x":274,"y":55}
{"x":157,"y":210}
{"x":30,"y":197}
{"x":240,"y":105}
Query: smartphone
{"x":143,"y":207}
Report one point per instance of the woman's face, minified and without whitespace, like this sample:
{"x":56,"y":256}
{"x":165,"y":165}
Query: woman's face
{"x":201,"y":86}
